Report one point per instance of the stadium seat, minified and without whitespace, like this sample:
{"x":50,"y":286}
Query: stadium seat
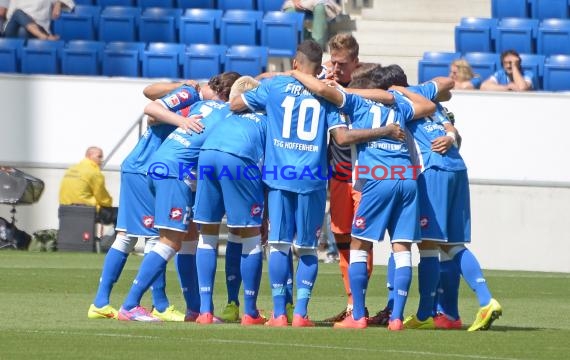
{"x":240,"y":27}
{"x":10,"y":51}
{"x":269,"y":5}
{"x":518,"y":34}
{"x":159,"y":25}
{"x":80,"y":24}
{"x":105,"y":3}
{"x":510,"y":8}
{"x":246,"y":59}
{"x":144,"y":4}
{"x":82,"y":57}
{"x":553,"y":37}
{"x":557,"y":73}
{"x":484,"y":64}
{"x":162,"y":60}
{"x":547,"y":9}
{"x":84,"y":2}
{"x":534,"y":63}
{"x":202,"y":61}
{"x":435,"y":64}
{"x":41,"y":56}
{"x":195,"y":4}
{"x":475,"y":34}
{"x":119,"y":23}
{"x":281,"y":32}
{"x":236,"y":5}
{"x":200,"y":26}
{"x":122,"y":59}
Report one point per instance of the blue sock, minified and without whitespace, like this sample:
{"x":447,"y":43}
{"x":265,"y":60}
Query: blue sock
{"x":206,"y":265}
{"x":402,"y":281}
{"x":390,"y":282}
{"x":428,"y":277}
{"x":233,"y":274}
{"x":112,"y":267}
{"x":307,"y":270}
{"x":289,"y":285}
{"x":473,"y":275}
{"x":358,"y":276}
{"x":251,"y":265}
{"x":151,"y":267}
{"x":278,"y":270}
{"x":158,"y":289}
{"x":188,"y":277}
{"x":449,"y":284}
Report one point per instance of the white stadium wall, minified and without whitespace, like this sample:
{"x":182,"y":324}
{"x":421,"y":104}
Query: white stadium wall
{"x":515,"y":145}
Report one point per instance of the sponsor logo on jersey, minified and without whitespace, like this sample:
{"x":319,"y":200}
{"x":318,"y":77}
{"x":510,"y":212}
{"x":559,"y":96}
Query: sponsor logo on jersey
{"x":255,"y":210}
{"x":360,"y":222}
{"x":176,"y":214}
{"x":148,"y":221}
{"x":424,"y":222}
{"x":172,"y":101}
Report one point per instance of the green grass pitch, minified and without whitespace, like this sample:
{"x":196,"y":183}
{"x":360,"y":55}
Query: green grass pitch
{"x":44,"y":299}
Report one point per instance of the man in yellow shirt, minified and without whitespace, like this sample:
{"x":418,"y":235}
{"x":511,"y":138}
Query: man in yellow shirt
{"x":84,"y":183}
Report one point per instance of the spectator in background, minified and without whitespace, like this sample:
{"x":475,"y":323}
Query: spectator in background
{"x":462,"y":73}
{"x":3,"y":12}
{"x":84,"y":183}
{"x":321,"y":10}
{"x":32,"y":18}
{"x":511,"y":77}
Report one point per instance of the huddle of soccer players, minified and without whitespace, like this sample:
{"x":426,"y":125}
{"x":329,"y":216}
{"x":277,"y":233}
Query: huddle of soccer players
{"x":262,"y":124}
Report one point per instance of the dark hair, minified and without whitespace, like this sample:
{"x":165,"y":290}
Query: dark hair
{"x":221,"y":84}
{"x":311,"y":51}
{"x":362,"y":83}
{"x":505,"y":53}
{"x":387,"y":76}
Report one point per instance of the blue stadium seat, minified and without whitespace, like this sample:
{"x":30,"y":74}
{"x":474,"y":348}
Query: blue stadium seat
{"x":80,"y":24}
{"x":202,"y":61}
{"x":10,"y":51}
{"x":159,"y":25}
{"x":119,"y":23}
{"x":435,"y":64}
{"x":82,"y":57}
{"x":549,"y":9}
{"x":41,"y":56}
{"x":484,"y":64}
{"x":237,"y":4}
{"x":162,"y":60}
{"x":534,"y":63}
{"x":553,"y":37}
{"x":240,"y":27}
{"x":200,"y":26}
{"x":557,"y":73}
{"x":246,"y":59}
{"x":122,"y":59}
{"x":105,"y":3}
{"x":475,"y":34}
{"x":269,"y":5}
{"x":510,"y":8}
{"x":84,"y":2}
{"x":281,"y":32}
{"x":196,"y":4}
{"x":144,"y":4}
{"x":517,"y":34}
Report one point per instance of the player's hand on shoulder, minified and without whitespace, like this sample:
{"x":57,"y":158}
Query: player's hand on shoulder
{"x":193,"y":124}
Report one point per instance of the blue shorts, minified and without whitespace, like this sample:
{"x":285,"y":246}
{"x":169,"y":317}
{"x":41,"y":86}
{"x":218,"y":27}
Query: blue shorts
{"x":173,"y":203}
{"x":388,"y":205}
{"x":292,"y":214}
{"x":234,"y":188}
{"x":445,"y":214}
{"x":136,"y":206}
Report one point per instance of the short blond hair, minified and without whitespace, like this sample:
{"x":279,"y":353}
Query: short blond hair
{"x":242,"y":85}
{"x":464,"y":70}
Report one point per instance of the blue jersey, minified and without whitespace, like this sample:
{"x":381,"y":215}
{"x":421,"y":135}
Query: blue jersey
{"x":502,"y":78}
{"x":427,"y":129}
{"x":240,"y":134}
{"x":178,"y":154}
{"x":297,"y":125}
{"x":150,"y":141}
{"x":383,"y":153}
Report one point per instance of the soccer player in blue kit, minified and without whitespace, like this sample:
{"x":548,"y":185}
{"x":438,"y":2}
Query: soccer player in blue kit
{"x":230,"y":183}
{"x":295,"y":171}
{"x":171,"y":180}
{"x":136,"y":214}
